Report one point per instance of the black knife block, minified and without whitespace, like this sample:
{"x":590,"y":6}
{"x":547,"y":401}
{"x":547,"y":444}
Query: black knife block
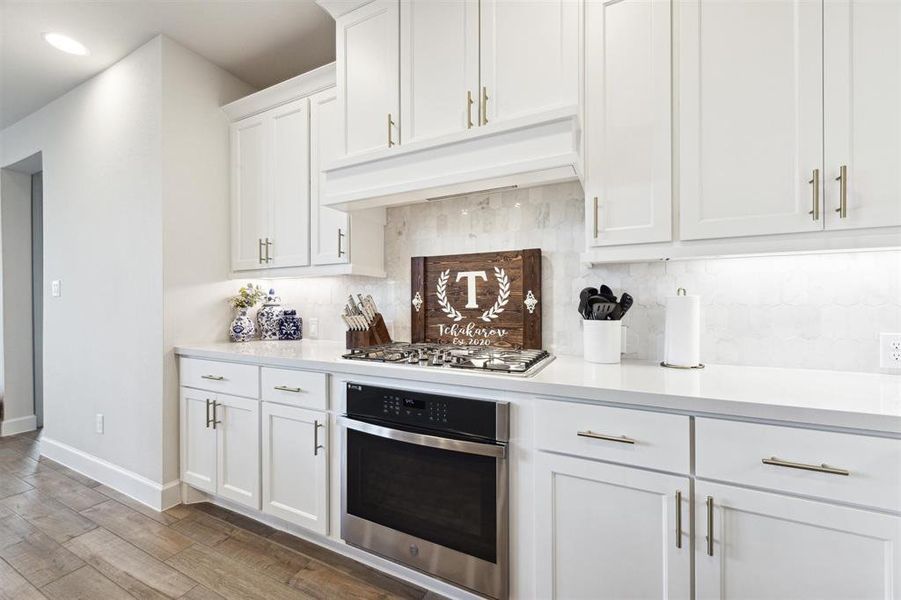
{"x":376,"y":335}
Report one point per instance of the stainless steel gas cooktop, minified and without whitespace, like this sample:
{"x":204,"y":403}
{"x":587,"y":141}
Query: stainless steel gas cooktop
{"x":479,"y":358}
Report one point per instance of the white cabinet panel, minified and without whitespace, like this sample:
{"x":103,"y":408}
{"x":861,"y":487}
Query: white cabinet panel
{"x":751,"y":117}
{"x":771,"y":546}
{"x":249,"y":188}
{"x":628,"y":122}
{"x":439,"y":53}
{"x":295,"y":465}
{"x":289,"y":215}
{"x":609,"y":532}
{"x":863,"y":112}
{"x":198,"y":440}
{"x":529,"y":56}
{"x":330,"y":230}
{"x":238,"y":428}
{"x":368,"y":71}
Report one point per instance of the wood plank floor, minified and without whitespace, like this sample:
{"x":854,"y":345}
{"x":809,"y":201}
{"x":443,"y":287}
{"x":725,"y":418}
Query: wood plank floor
{"x":65,"y":536}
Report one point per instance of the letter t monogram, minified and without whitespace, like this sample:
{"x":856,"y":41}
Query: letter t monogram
{"x":471,"y":285}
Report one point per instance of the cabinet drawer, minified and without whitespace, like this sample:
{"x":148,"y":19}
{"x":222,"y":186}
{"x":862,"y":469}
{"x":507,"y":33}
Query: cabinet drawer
{"x":228,"y":378}
{"x":635,"y":437}
{"x":734,"y":451}
{"x":305,"y":389}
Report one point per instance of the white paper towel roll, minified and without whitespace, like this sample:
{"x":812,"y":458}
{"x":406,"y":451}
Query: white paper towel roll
{"x":682,"y":334}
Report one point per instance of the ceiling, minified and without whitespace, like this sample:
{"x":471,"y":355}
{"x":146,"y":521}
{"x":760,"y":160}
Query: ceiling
{"x":260,"y":41}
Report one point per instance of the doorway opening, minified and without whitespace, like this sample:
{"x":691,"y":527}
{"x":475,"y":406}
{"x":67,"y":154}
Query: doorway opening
{"x":21,"y":296}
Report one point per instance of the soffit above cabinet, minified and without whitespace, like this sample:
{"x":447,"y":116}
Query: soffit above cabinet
{"x":301,"y":86}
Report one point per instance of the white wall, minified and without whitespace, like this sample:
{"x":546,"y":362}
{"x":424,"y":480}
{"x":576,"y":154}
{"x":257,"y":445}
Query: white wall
{"x":810,"y":311}
{"x":16,"y":388}
{"x":195,"y":161}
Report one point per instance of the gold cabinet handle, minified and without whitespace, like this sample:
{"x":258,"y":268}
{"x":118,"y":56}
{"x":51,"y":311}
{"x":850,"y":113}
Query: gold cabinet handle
{"x":469,"y":103}
{"x":285,"y":388}
{"x":316,"y":446}
{"x":390,"y":125}
{"x":842,"y":178}
{"x":709,"y":525}
{"x":815,"y":181}
{"x":821,"y":468}
{"x":596,"y":209}
{"x":484,"y":106}
{"x":609,"y":438}
{"x":216,"y":420}
{"x":340,"y":239}
{"x":207,"y":413}
{"x":678,"y":519}
{"x":213,"y":377}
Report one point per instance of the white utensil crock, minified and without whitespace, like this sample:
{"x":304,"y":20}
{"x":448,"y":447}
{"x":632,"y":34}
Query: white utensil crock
{"x":602,"y":341}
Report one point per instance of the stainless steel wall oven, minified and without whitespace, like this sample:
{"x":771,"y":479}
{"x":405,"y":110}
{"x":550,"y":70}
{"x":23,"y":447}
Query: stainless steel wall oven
{"x":424,"y":483}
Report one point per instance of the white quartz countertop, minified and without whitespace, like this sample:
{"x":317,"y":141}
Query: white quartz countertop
{"x":862,"y":401}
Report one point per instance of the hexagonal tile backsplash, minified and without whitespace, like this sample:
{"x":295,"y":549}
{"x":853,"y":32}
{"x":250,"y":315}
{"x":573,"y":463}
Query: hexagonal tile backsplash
{"x":820,"y":311}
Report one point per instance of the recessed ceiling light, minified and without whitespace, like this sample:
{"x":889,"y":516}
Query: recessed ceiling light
{"x":65,"y":43}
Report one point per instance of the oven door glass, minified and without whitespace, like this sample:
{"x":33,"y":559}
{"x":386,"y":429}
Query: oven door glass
{"x":444,"y":497}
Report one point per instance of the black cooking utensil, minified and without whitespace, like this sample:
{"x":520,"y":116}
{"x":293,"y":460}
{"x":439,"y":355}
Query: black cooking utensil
{"x":607,"y":294}
{"x":584,"y":295}
{"x":601,"y":310}
{"x":622,"y":307}
{"x":590,"y":304}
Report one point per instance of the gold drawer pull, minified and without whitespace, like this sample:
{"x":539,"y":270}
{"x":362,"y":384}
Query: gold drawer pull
{"x":285,"y":388}
{"x":822,"y":468}
{"x":213,"y":377}
{"x":609,"y":438}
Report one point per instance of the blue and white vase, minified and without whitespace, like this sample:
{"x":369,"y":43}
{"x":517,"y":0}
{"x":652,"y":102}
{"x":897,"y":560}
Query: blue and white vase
{"x":290,"y":327}
{"x":269,"y":315}
{"x":242,"y":329}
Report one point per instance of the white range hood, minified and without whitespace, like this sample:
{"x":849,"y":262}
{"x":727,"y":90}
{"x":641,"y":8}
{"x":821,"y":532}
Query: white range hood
{"x":529,"y":151}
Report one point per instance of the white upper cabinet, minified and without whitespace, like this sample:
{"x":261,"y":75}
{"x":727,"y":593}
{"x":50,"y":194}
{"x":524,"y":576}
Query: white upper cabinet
{"x":329,"y":234}
{"x":751,"y":117}
{"x":863,"y":113}
{"x":368,"y":72}
{"x":628,"y":185}
{"x":439,"y":89}
{"x":529,"y":57}
{"x":250,"y":210}
{"x":289,"y":216}
{"x":770,"y":546}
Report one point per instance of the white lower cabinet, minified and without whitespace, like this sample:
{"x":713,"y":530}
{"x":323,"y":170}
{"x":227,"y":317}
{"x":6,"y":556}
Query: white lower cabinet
{"x":772,"y":546}
{"x":220,"y":445}
{"x":295,"y":465}
{"x":606,"y":531}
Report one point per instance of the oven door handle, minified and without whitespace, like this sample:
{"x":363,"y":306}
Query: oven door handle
{"x":421,"y":439}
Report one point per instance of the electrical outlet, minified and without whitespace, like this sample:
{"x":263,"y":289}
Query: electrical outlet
{"x":55,"y":288}
{"x":98,"y":423}
{"x":313,"y":328}
{"x":890,"y":350}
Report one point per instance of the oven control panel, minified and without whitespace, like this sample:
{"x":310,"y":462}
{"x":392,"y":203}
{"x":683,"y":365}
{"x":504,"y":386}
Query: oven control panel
{"x":430,"y":411}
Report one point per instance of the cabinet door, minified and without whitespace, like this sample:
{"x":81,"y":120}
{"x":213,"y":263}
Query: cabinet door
{"x":863,"y":118}
{"x":771,"y":546}
{"x":289,"y":197}
{"x":605,"y":531}
{"x":238,"y":456}
{"x":529,"y":56}
{"x":751,"y":110}
{"x":249,"y":213}
{"x":439,"y":67}
{"x":628,"y":124}
{"x":198,"y":440}
{"x":329,"y":229}
{"x":368,"y":40}
{"x":295,"y":465}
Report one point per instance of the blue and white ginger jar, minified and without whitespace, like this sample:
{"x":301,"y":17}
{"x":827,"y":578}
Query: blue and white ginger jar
{"x":269,"y":315}
{"x":242,"y":329}
{"x":290,"y":326}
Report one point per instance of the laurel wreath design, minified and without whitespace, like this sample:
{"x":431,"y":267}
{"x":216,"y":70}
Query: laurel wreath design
{"x":441,"y":292}
{"x":503,"y":296}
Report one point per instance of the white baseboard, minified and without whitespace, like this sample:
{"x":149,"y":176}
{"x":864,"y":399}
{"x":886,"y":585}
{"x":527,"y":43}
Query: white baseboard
{"x":155,"y":495}
{"x":18,"y":425}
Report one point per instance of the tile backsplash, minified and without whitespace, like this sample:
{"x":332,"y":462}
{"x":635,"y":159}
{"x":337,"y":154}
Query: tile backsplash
{"x":812,"y":311}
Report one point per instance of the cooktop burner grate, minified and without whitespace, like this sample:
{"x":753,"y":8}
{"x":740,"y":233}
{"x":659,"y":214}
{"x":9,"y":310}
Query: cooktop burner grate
{"x":482,"y":358}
